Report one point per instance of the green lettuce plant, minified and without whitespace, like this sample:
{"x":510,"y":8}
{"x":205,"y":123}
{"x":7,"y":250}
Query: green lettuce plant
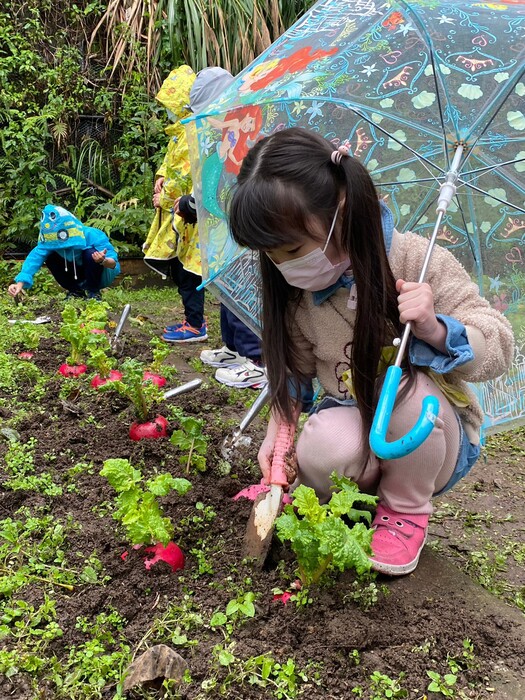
{"x":79,"y":328}
{"x":137,"y":506}
{"x":142,"y":395}
{"x":325,"y":537}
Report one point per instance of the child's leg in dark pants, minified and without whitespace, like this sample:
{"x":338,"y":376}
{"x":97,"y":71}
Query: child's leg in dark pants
{"x":65,"y":277}
{"x":192,"y":299}
{"x":92,"y":272}
{"x":239,"y":337}
{"x":227,"y":334}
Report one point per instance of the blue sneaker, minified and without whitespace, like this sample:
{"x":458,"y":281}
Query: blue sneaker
{"x":173,"y":327}
{"x":186,"y":334}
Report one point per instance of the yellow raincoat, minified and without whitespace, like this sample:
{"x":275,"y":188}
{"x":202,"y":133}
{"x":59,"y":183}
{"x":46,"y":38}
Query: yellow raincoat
{"x":169,"y":237}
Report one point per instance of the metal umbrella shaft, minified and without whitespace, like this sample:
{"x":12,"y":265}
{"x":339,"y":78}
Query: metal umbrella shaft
{"x":430,"y":405}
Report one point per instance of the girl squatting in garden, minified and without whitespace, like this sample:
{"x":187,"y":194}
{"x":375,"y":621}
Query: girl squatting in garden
{"x":337,"y":288}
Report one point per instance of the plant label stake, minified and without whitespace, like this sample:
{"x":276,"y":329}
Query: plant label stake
{"x":38,"y":320}
{"x":231,"y":441}
{"x":183,"y":388}
{"x":114,"y":342}
{"x":267,"y":506}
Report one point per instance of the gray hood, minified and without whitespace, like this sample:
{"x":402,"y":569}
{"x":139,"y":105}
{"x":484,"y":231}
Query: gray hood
{"x":208,"y":86}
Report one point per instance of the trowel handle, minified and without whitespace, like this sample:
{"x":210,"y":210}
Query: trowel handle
{"x":283,"y":442}
{"x":122,"y":321}
{"x":183,"y":388}
{"x":255,"y":409}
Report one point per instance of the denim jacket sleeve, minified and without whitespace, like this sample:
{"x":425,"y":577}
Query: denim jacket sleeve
{"x":459,"y":351}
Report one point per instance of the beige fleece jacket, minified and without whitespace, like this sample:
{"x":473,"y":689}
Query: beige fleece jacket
{"x":324,"y":333}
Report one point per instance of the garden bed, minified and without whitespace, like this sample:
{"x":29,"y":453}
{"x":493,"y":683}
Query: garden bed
{"x":76,"y":611}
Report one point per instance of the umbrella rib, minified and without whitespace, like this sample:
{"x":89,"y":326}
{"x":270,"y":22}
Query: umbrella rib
{"x":422,"y":159}
{"x":424,"y":206}
{"x":398,"y":164}
{"x":508,"y":178}
{"x":422,"y":27}
{"x":406,"y":182}
{"x":502,"y":96}
{"x":480,"y":171}
{"x":492,"y":196}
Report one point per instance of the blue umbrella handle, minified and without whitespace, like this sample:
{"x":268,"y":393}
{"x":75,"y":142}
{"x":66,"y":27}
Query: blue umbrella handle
{"x":430,"y":405}
{"x":415,"y":437}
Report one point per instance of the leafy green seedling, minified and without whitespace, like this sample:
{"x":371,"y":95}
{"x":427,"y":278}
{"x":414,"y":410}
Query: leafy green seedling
{"x":160,"y":351}
{"x":319,"y":534}
{"x":138,"y":509}
{"x":101,"y":360}
{"x":80,"y":330}
{"x":192,"y":443}
{"x":442,"y":685}
{"x":143,"y":395}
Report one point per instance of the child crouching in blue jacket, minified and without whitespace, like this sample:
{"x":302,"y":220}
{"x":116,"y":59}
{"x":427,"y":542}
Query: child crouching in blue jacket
{"x":81,"y":258}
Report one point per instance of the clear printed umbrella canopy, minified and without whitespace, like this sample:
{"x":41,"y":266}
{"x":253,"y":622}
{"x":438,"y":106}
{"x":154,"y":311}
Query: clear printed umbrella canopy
{"x":401,"y":84}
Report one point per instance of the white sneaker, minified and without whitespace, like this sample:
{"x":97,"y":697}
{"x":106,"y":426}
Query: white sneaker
{"x":222,"y":357}
{"x":245,"y":375}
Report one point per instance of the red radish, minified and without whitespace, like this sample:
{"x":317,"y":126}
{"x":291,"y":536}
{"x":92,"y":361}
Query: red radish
{"x":157,"y":379}
{"x":171,"y":554}
{"x":283,"y":597}
{"x":25,"y":355}
{"x":114,"y":376}
{"x":124,"y":556}
{"x":72,"y":370}
{"x":156,"y":428}
{"x":95,"y":331}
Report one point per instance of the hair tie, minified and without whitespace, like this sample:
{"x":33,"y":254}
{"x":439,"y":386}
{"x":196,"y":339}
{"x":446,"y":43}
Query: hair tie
{"x":338,"y":155}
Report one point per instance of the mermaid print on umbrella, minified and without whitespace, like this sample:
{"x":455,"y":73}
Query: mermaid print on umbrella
{"x":240,"y":130}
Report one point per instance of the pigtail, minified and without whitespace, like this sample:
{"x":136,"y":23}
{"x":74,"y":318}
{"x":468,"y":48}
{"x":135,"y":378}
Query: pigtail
{"x":377,"y":315}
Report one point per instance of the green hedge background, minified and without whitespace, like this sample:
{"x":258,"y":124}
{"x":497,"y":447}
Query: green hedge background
{"x":78,"y":122}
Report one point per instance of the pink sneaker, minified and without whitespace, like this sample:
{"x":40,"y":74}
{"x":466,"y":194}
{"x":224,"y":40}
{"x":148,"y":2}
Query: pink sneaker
{"x":398,"y":540}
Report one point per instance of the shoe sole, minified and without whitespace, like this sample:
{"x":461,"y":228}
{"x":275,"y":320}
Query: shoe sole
{"x":187,"y":340}
{"x":244,"y":385}
{"x":397,"y":570}
{"x":221,"y":364}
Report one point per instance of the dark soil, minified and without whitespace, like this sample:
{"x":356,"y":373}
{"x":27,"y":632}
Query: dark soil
{"x":396,"y":635}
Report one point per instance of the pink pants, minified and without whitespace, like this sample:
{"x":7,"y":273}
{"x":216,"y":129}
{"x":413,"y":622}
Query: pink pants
{"x":331,"y":440}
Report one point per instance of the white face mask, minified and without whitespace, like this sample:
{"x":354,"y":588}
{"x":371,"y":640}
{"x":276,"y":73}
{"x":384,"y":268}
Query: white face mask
{"x":314,"y":271}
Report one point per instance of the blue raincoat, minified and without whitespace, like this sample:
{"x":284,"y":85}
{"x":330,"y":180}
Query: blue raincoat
{"x":63,"y":233}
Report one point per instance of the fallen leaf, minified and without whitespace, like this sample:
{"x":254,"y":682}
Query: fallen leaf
{"x":154,"y":666}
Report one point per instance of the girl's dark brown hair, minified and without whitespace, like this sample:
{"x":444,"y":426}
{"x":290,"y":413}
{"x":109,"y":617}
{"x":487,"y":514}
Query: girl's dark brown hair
{"x":285,"y":181}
